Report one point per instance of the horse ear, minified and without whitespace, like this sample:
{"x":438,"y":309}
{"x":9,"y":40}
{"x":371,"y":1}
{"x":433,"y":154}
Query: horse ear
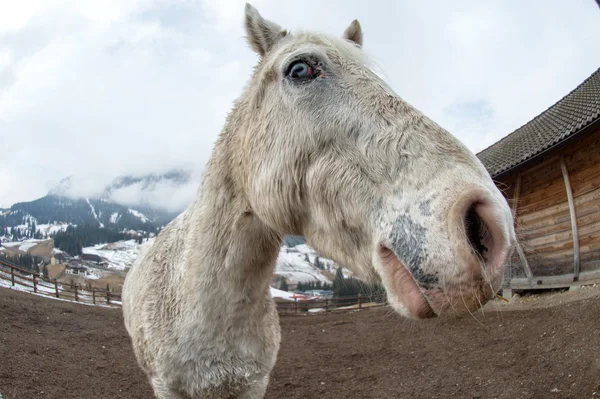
{"x":262,"y":34}
{"x":354,"y":33}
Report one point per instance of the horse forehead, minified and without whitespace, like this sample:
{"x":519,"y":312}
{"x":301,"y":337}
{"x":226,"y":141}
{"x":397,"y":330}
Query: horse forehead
{"x":331,"y":46}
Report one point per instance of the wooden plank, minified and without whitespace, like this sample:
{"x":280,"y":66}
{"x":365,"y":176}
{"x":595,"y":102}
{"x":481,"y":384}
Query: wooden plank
{"x":525,"y":263}
{"x":563,"y":240}
{"x":562,"y":281}
{"x":565,"y":173}
{"x":518,"y":244}
{"x":516,"y":196}
{"x":515,"y":205}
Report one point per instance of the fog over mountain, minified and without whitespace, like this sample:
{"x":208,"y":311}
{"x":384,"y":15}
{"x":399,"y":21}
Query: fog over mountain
{"x":140,"y":203}
{"x":172,"y":191}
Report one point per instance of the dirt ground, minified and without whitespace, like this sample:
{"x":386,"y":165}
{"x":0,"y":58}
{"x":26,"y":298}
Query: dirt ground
{"x":535,"y":347}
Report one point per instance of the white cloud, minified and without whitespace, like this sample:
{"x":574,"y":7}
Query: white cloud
{"x":100,"y":89}
{"x":167,"y":196}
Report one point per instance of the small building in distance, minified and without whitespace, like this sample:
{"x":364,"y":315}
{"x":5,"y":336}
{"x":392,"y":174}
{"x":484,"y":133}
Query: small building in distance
{"x":549,"y":171}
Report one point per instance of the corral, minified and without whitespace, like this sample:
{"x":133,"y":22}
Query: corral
{"x":59,"y":349}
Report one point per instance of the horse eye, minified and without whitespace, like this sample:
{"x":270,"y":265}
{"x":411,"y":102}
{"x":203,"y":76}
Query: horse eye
{"x":300,"y":70}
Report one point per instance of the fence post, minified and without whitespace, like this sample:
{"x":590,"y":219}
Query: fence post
{"x":34,"y":283}
{"x":12,"y":275}
{"x":296,"y":305}
{"x":75,"y":287}
{"x":326,"y":305}
{"x":107,"y":296}
{"x":94,"y":296}
{"x":360,"y":301}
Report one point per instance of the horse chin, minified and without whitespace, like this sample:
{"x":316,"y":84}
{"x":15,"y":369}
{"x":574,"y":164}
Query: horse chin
{"x":406,"y":297}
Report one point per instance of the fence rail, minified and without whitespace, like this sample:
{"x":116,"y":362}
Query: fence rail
{"x":28,"y":280}
{"x":345,"y":303}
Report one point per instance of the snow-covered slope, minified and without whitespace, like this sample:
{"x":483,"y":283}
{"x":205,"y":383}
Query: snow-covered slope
{"x":300,"y":264}
{"x":296,"y":264}
{"x":22,"y":246}
{"x":120,"y":255}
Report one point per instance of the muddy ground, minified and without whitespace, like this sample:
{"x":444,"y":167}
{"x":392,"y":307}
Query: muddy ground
{"x":536,"y":347}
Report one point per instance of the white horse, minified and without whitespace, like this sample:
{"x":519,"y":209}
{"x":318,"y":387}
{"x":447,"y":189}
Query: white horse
{"x":317,"y":145}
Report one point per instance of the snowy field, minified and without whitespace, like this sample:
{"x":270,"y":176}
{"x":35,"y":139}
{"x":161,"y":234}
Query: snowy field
{"x":23,"y":246}
{"x":44,"y":229}
{"x":120,"y":255}
{"x":44,"y":288}
{"x":297,"y":264}
{"x":47,"y":288}
{"x":293,"y":266}
{"x":291,"y":262}
{"x":52,"y":228}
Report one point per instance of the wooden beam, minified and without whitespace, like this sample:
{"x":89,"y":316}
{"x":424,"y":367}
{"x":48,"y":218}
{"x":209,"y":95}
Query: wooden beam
{"x":515,"y":205}
{"x":516,"y":195}
{"x":575,"y":231}
{"x":562,"y":281}
{"x":525,"y":263}
{"x":513,"y":208}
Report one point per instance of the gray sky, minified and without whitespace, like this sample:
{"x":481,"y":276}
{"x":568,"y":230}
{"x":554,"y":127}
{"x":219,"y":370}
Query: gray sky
{"x":98,"y":89}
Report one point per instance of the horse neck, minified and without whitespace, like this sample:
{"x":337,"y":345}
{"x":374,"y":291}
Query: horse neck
{"x":231,"y":255}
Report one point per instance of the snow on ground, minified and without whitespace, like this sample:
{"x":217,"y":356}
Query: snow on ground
{"x":275,"y":293}
{"x":27,"y":245}
{"x":291,"y":262}
{"x":42,"y":287}
{"x":293,"y":266}
{"x":24,"y":246}
{"x":93,"y":274}
{"x":52,"y":228}
{"x":139,"y":215}
{"x":120,"y":254}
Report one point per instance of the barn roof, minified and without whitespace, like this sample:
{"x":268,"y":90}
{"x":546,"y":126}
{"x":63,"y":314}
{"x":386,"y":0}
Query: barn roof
{"x":576,"y":110}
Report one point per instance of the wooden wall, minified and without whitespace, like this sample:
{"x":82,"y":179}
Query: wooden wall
{"x":543,"y":218}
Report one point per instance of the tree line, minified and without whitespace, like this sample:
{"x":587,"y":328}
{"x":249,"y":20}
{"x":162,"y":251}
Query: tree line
{"x":342,"y":287}
{"x":74,"y":239}
{"x":312,"y":285}
{"x":16,"y":233}
{"x":351,"y":286}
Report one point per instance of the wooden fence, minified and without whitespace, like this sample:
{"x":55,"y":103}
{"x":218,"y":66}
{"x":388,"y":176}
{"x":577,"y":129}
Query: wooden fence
{"x":27,"y":280}
{"x":345,"y":303}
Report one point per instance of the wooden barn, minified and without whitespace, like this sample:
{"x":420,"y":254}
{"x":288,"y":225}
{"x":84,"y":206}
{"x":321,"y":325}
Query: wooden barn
{"x":549,"y":171}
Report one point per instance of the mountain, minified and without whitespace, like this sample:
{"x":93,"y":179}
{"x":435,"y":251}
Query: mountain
{"x":292,"y":241}
{"x":130,"y":203}
{"x":125,"y":204}
{"x":148,"y":182}
{"x":53,"y":209}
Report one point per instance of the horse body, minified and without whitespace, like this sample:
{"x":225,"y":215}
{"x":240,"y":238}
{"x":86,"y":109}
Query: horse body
{"x":317,"y":145}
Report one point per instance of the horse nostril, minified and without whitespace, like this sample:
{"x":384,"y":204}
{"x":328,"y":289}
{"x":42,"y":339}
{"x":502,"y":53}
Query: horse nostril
{"x":478,"y":233}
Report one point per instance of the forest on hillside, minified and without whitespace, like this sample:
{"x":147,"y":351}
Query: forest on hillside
{"x":74,"y":239}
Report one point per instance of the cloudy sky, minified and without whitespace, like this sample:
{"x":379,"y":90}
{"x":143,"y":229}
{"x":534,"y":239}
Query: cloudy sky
{"x":99,"y":89}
